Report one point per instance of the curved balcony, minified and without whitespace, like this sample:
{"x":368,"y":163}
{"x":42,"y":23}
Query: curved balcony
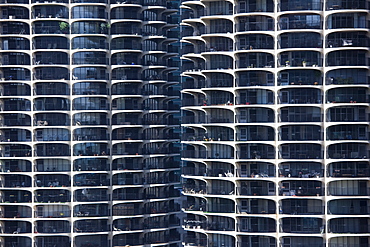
{"x":349,"y":188}
{"x":52,"y":165}
{"x":300,"y":133}
{"x":50,"y":27}
{"x":91,"y":210}
{"x":346,"y":77}
{"x":300,"y":114}
{"x":347,"y":39}
{"x":255,"y":188}
{"x":255,"y":115}
{"x":15,"y":43}
{"x":90,"y":103}
{"x":18,"y":74}
{"x":301,"y":151}
{"x":348,"y":169}
{"x":302,"y":207}
{"x":301,"y":169}
{"x":304,"y":241}
{"x":16,"y":227}
{"x":255,"y":23}
{"x":15,"y":166}
{"x":53,"y":227}
{"x":89,"y":27}
{"x":131,"y":28}
{"x":300,"y":21}
{"x":300,"y":40}
{"x":346,"y":20}
{"x":14,"y":58}
{"x":254,"y":78}
{"x":89,"y":42}
{"x":51,"y":104}
{"x":83,"y":226}
{"x":15,"y":150}
{"x":15,"y":181}
{"x":90,"y":164}
{"x":82,"y":12}
{"x":51,"y":73}
{"x":90,"y":57}
{"x":301,"y":188}
{"x":349,"y":207}
{"x":91,"y":195}
{"x":51,"y":88}
{"x":49,"y":42}
{"x":348,"y":240}
{"x":90,"y":180}
{"x":15,"y":135}
{"x":51,"y":119}
{"x":348,"y":150}
{"x":347,"y":58}
{"x":14,"y":12}
{"x":90,"y":73}
{"x":87,"y":118}
{"x":255,"y":133}
{"x":347,"y":114}
{"x":306,"y":225}
{"x":49,"y":11}
{"x":52,"y":149}
{"x":349,"y":225}
{"x":291,"y":5}
{"x":256,"y":224}
{"x":14,"y":28}
{"x":52,"y":195}
{"x":255,"y":60}
{"x":127,"y":43}
{"x":90,"y":149}
{"x":53,"y":240}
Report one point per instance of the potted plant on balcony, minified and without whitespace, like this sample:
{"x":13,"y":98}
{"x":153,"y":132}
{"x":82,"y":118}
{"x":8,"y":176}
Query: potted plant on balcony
{"x":63,"y":26}
{"x":304,"y":63}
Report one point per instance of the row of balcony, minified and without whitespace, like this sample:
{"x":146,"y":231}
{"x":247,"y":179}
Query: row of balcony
{"x":90,"y":210}
{"x":285,"y":40}
{"x":299,"y":206}
{"x":245,"y":224}
{"x":258,"y":187}
{"x":96,"y":42}
{"x":96,"y":240}
{"x":86,"y":73}
{"x":216,"y":8}
{"x":88,"y":179}
{"x":296,"y":114}
{"x":53,"y":195}
{"x":80,"y":119}
{"x":81,"y":12}
{"x":47,"y":27}
{"x":85,"y":103}
{"x":87,"y":149}
{"x":294,"y":21}
{"x":293,"y":77}
{"x":305,"y":225}
{"x":285,"y":133}
{"x":88,"y":164}
{"x":286,"y":151}
{"x":254,"y":59}
{"x":96,"y":134}
{"x":266,"y":170}
{"x":78,"y":58}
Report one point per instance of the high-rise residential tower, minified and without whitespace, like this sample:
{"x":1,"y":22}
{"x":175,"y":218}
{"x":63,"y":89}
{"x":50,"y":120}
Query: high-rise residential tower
{"x":88,"y":154}
{"x":275,"y":123}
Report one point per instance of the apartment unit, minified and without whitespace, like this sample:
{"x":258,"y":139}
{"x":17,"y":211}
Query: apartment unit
{"x":87,"y":128}
{"x":276,"y":123}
